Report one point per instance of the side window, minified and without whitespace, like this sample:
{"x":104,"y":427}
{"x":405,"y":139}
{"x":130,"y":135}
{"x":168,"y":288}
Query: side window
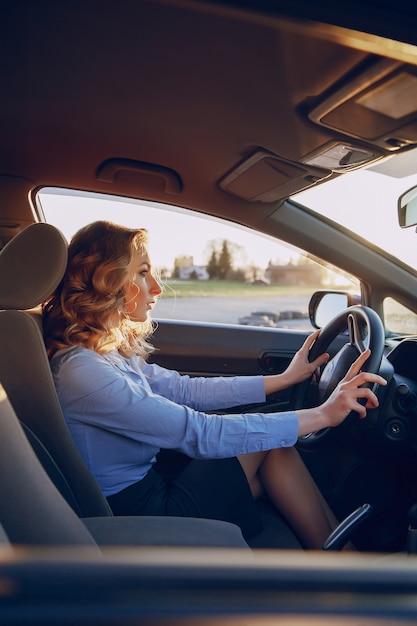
{"x":212,"y":271}
{"x":398,"y":318}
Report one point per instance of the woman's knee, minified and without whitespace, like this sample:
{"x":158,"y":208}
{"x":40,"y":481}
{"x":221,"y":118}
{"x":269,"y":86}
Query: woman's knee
{"x":250,"y":464}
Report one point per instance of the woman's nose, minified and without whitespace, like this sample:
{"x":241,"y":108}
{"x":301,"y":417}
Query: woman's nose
{"x":156,"y":287}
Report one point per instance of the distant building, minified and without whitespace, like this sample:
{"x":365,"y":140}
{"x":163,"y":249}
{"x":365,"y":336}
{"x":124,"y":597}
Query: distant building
{"x":294,"y":274}
{"x":186,"y":269}
{"x":184,"y":261}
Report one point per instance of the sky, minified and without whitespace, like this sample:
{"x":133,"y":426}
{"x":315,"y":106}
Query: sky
{"x":366,"y":202}
{"x":172,"y":234}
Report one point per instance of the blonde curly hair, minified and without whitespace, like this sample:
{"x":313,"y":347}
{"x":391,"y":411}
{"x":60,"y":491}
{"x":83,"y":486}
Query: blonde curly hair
{"x":87,"y":308}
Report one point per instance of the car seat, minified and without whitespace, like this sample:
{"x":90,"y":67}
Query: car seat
{"x":31,"y":509}
{"x":33,"y":512}
{"x":31,"y":266}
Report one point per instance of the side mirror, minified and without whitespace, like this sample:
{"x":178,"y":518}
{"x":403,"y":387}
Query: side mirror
{"x":325,"y":305}
{"x":407,"y":208}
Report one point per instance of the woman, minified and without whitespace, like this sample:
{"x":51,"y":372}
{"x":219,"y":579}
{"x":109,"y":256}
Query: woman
{"x":122,"y":410}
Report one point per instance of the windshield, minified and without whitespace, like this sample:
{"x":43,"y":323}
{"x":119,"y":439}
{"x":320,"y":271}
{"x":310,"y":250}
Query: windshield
{"x":365,"y":201}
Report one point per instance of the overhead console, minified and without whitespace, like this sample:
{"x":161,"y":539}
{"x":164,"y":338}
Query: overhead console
{"x":370,"y":113}
{"x":377,"y":104}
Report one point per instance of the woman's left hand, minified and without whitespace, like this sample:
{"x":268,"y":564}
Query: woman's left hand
{"x":299,"y":369}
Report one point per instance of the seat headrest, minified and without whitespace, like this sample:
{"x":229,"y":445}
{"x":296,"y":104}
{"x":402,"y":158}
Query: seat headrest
{"x":32,"y":265}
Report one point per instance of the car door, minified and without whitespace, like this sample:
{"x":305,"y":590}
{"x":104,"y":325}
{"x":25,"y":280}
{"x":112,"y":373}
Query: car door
{"x":204,"y":349}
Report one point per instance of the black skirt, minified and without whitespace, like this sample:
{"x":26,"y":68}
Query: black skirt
{"x":212,"y":489}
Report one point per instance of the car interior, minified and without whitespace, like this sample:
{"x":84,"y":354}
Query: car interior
{"x":233,"y":110}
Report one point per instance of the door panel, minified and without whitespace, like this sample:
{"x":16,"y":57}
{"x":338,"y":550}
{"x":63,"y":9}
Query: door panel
{"x":203,"y":349}
{"x":200,"y":348}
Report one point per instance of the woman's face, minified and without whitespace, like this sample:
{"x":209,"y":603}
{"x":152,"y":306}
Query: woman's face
{"x":142,"y":289}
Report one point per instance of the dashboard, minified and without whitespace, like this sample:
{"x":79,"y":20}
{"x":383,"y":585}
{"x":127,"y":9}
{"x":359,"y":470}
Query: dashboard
{"x":400,"y":407}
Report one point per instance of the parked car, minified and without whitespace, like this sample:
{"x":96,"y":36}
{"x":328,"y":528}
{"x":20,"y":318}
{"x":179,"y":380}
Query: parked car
{"x":296,"y":122}
{"x":256,"y":319}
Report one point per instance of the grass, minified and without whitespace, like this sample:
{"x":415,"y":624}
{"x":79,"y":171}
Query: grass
{"x":222,"y":288}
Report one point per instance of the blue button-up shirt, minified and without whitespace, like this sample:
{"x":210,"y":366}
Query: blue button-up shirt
{"x":122,"y":411}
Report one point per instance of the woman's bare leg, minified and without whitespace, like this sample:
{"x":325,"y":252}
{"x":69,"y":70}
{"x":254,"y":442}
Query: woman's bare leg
{"x":282,"y":474}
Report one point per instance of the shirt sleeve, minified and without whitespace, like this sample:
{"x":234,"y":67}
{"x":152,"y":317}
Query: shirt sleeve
{"x":93,"y":391}
{"x":205,"y":393}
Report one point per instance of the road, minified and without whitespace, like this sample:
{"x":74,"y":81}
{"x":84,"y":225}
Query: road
{"x":229,"y":310}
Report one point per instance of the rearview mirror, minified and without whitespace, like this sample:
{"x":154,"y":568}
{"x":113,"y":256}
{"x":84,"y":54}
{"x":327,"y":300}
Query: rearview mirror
{"x":325,"y":305}
{"x":407,"y":208}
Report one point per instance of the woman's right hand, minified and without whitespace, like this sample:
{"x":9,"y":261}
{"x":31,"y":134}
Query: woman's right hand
{"x":344,"y":399}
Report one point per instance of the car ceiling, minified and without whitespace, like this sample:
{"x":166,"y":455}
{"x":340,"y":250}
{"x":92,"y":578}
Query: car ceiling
{"x":165,"y":100}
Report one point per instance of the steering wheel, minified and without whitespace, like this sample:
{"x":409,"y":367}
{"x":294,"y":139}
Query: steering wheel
{"x":365,"y":330}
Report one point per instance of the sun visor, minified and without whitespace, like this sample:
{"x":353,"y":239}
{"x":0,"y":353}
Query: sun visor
{"x":265,"y":177}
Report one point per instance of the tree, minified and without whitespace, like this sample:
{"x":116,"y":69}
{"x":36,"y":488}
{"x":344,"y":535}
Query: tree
{"x":237,"y":275}
{"x":225,"y":261}
{"x":212,"y":266}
